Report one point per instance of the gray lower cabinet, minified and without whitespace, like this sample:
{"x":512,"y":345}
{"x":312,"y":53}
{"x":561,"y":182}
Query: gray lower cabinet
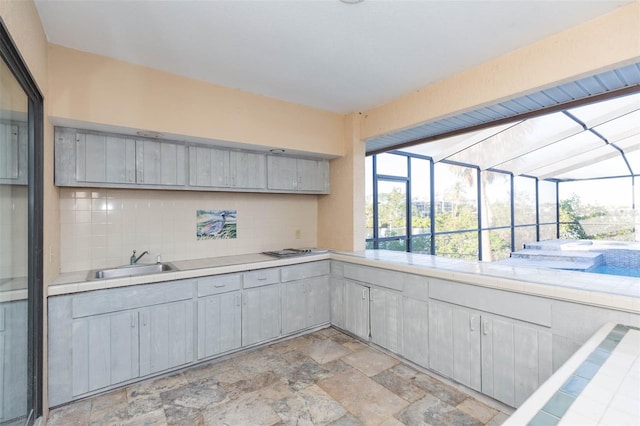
{"x":305,"y":304}
{"x":415,"y":330}
{"x":166,"y":336}
{"x":105,"y":351}
{"x":219,"y":324}
{"x":260,"y":314}
{"x":338,"y":302}
{"x":113,"y":348}
{"x":357,"y":309}
{"x":501,"y":357}
{"x":305,"y":296}
{"x":386,"y":319}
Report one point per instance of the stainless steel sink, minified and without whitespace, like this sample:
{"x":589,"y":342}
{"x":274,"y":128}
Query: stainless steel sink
{"x":131,"y":271}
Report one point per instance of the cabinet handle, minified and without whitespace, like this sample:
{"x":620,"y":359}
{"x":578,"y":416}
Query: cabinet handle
{"x":219,"y":285}
{"x":238,"y":300}
{"x":472,"y":320}
{"x":133,"y":320}
{"x":364,"y":291}
{"x":485,"y":327}
{"x":262,"y":278}
{"x":144,"y":319}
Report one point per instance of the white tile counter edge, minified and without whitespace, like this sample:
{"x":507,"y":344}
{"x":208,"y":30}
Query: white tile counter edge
{"x":592,"y":289}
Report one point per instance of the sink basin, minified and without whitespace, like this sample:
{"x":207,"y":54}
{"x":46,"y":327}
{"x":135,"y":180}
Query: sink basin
{"x":131,"y":271}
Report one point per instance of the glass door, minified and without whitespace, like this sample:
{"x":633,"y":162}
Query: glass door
{"x":20,"y":240}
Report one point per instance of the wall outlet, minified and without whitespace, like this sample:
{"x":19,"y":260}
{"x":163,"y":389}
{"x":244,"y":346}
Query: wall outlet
{"x":298,"y":234}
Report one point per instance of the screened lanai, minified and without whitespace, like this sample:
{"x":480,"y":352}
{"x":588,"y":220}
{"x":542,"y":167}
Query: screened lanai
{"x":564,"y":169}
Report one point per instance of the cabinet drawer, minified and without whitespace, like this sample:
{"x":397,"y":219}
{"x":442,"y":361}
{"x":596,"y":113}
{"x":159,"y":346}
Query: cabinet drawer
{"x":527,"y":308}
{"x":305,"y":270}
{"x":218,"y":284}
{"x":416,"y":287}
{"x":113,"y":300}
{"x":376,"y":276}
{"x":261,"y":277}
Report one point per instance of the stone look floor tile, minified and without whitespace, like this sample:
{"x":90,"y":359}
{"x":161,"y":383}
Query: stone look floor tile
{"x":323,"y":378}
{"x":75,"y":414}
{"x":498,"y":419}
{"x":326,"y":351}
{"x":370,"y":361}
{"x":433,"y":411}
{"x":249,"y":409}
{"x":476,"y":409}
{"x":371,"y":403}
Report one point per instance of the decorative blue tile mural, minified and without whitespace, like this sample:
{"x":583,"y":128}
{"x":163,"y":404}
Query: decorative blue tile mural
{"x":216,"y":224}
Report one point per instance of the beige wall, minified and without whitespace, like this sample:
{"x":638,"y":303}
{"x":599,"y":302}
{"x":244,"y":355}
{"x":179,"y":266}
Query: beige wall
{"x":604,"y":43}
{"x":341,"y":214}
{"x":97,"y":89}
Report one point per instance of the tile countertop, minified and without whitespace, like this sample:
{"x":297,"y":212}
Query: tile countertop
{"x":596,"y":289}
{"x":599,"y":384}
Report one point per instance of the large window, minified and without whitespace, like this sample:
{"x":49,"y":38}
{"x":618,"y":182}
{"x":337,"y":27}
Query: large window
{"x":453,"y":210}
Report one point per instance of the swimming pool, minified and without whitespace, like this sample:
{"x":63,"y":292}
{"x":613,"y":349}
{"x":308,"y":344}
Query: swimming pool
{"x":616,"y":270}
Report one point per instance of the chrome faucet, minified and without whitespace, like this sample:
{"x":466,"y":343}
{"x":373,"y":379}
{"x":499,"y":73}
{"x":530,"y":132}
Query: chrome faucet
{"x":133,"y":260}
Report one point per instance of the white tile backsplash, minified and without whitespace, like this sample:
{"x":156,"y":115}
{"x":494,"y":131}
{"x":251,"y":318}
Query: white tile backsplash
{"x":100,"y":228}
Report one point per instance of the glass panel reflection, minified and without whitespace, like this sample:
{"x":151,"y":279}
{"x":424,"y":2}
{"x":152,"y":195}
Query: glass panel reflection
{"x":524,"y":200}
{"x":456,"y":197}
{"x":14,"y":214}
{"x":420,"y":196}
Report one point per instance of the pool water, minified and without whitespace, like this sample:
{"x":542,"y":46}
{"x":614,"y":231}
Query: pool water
{"x":616,"y":270}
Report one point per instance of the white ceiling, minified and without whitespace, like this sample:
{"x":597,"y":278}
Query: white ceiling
{"x":321,"y":53}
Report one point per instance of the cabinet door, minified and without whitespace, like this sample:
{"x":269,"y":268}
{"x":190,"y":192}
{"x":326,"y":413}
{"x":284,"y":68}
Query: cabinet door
{"x":104,"y":351}
{"x":208,"y":167}
{"x":166,"y":336}
{"x":282,"y":173}
{"x":160,"y":163}
{"x":338,"y":303}
{"x":248,"y":170}
{"x":105,"y":159}
{"x":295,"y":311}
{"x":318,"y":300}
{"x":357,"y":309}
{"x":415,"y":330}
{"x":260,"y":314}
{"x":454,"y":343}
{"x":386,"y":319}
{"x":516,"y":359}
{"x":219,"y":324}
{"x":312,"y":175}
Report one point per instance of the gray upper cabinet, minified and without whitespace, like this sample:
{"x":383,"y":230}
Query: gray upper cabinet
{"x":160,"y":163}
{"x":13,"y":153}
{"x":297,"y":174}
{"x":221,"y":168}
{"x":89,"y":158}
{"x":105,"y":159}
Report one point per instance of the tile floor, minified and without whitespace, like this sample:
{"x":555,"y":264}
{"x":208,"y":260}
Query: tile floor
{"x":323,"y":378}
